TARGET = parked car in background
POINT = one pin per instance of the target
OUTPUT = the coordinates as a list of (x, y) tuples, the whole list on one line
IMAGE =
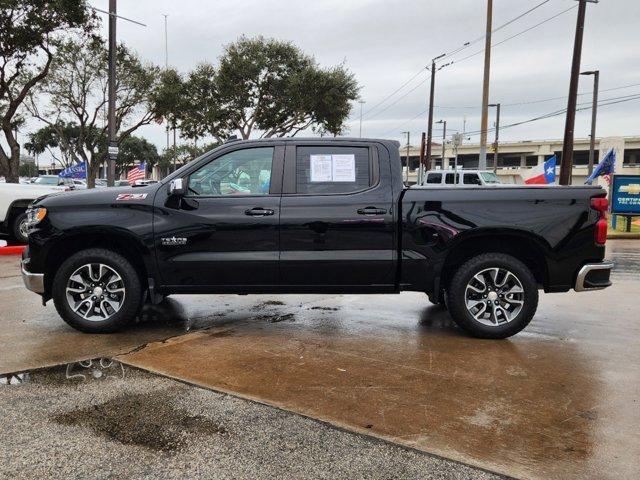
[(55, 181), (79, 184), (15, 198), (140, 183), (434, 178)]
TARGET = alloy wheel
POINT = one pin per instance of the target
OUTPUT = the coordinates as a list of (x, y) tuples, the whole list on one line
[(95, 291), (494, 296)]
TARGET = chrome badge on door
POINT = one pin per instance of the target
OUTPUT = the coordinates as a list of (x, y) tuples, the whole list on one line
[(173, 241)]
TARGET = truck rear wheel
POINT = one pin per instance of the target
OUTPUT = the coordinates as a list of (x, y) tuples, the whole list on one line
[(97, 291), (493, 295)]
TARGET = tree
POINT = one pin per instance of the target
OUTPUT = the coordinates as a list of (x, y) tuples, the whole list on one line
[(28, 33), (264, 85), (76, 91), (272, 86), (60, 139), (136, 149), (182, 154)]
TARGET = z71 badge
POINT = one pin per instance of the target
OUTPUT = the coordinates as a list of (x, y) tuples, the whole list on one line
[(131, 196)]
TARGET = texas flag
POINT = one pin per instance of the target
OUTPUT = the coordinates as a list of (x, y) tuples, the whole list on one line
[(543, 174)]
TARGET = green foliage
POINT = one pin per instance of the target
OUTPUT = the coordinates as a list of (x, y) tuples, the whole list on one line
[(28, 169), (76, 90), (136, 149), (260, 84), (28, 34), (183, 154), (62, 141)]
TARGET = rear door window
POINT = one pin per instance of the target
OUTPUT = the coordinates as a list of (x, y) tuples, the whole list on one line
[(471, 179), (448, 179), (434, 178), (333, 170)]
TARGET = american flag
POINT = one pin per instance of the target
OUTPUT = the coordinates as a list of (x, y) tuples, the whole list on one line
[(139, 172)]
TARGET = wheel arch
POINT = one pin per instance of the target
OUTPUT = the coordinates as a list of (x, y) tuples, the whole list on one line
[(120, 242), (527, 248)]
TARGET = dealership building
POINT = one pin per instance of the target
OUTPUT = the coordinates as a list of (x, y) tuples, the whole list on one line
[(516, 159)]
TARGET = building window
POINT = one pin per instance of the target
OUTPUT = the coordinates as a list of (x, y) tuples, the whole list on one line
[(631, 157)]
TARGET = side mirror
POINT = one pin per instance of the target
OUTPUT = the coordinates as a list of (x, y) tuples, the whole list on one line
[(176, 187)]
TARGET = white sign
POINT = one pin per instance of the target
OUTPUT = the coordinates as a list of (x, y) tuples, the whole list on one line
[(344, 168), (321, 168), (333, 168), (112, 150)]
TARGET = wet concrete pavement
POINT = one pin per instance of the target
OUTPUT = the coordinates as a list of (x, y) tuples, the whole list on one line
[(144, 426), (561, 399), (33, 336)]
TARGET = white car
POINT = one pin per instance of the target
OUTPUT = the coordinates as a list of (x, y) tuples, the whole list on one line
[(436, 178), (14, 201)]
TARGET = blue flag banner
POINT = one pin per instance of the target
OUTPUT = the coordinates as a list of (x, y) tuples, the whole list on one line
[(75, 171), (606, 167)]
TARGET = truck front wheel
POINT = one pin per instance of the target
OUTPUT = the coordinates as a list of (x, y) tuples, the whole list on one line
[(97, 291), (492, 295)]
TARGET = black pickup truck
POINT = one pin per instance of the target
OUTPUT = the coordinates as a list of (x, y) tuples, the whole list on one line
[(314, 216)]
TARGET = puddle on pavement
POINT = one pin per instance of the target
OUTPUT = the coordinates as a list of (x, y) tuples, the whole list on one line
[(14, 378), (149, 420)]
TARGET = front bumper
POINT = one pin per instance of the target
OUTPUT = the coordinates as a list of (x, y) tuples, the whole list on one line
[(33, 281), (593, 276)]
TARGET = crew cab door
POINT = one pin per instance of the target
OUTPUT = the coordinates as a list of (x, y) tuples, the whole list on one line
[(337, 220), (224, 231)]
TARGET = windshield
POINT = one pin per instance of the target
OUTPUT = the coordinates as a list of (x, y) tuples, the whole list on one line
[(490, 177), (47, 181)]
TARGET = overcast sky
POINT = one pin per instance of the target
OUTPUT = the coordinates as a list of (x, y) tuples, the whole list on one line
[(386, 42)]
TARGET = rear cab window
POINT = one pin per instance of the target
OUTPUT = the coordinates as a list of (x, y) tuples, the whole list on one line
[(327, 170)]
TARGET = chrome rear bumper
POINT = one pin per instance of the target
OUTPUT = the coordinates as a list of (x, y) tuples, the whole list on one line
[(593, 276), (33, 281)]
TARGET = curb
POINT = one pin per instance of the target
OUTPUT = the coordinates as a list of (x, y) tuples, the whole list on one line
[(13, 250), (623, 236)]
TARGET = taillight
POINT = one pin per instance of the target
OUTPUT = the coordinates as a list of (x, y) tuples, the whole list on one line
[(601, 205)]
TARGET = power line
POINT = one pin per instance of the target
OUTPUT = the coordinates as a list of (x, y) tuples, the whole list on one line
[(516, 35), (464, 46), (603, 103), (395, 91), (482, 37)]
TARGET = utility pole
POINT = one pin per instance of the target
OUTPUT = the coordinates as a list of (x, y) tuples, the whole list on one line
[(567, 148), (482, 163), (444, 139), (495, 143), (422, 145), (430, 119), (361, 102), (112, 144), (112, 149), (594, 116), (166, 66)]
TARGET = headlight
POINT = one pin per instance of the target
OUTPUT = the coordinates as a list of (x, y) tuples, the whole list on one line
[(35, 215)]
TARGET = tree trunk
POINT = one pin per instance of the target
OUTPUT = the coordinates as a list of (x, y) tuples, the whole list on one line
[(12, 174)]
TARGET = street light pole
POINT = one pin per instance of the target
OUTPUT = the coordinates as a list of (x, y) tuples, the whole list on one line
[(495, 144), (482, 163), (361, 102), (432, 90), (567, 148), (444, 138), (408, 147), (594, 116)]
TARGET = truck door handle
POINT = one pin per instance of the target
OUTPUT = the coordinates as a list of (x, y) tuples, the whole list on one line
[(371, 211), (258, 212)]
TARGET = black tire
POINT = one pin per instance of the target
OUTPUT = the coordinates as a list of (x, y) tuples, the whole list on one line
[(130, 305), (457, 304), (18, 232)]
